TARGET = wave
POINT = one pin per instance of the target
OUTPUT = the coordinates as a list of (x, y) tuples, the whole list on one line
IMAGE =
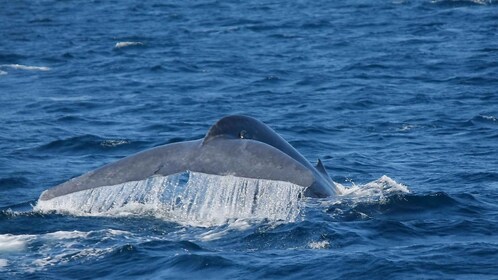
[(85, 144), (402, 208), (13, 243), (120, 45), (373, 191), (25, 67), (13, 182), (488, 120), (463, 2), (34, 252)]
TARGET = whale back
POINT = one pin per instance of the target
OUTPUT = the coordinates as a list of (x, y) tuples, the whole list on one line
[(247, 128)]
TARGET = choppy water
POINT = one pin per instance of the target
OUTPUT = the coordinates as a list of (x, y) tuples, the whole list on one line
[(398, 98)]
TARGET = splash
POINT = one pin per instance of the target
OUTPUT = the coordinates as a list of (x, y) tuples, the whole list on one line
[(361, 201), (375, 191), (324, 244), (189, 198)]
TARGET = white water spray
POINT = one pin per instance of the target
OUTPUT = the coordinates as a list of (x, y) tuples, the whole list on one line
[(190, 198)]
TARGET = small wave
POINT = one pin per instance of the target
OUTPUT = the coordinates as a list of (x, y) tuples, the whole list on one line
[(120, 45), (114, 142), (83, 143), (491, 118), (72, 143), (73, 254), (48, 261), (14, 243), (25, 67), (13, 182), (60, 235), (324, 244), (403, 205), (406, 127), (197, 262), (376, 190), (463, 2), (31, 253), (219, 232), (485, 120), (70, 98), (354, 202)]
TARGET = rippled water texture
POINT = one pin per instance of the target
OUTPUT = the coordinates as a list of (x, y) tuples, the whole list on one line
[(398, 98)]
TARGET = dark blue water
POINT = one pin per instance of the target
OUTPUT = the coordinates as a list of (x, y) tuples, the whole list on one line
[(405, 89)]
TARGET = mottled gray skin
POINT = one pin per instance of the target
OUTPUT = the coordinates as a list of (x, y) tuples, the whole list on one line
[(236, 145)]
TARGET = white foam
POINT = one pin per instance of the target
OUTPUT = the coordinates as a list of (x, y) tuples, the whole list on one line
[(189, 198), (115, 232), (198, 199), (65, 246), (373, 191), (26, 67), (14, 243), (213, 235), (60, 235), (240, 225), (480, 2), (406, 127), (127, 44), (72, 254), (3, 73), (319, 245), (114, 142), (56, 248), (46, 261), (490, 118)]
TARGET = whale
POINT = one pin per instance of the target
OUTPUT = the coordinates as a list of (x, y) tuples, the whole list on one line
[(235, 145)]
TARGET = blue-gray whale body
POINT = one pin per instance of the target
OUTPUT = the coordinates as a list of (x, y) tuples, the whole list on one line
[(235, 145)]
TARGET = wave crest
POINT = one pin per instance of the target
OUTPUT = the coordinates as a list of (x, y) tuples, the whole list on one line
[(375, 190), (24, 67), (128, 44)]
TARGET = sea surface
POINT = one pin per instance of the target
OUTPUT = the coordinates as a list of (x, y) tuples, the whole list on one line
[(399, 99)]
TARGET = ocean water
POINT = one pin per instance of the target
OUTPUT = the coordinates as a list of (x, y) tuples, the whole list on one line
[(399, 99)]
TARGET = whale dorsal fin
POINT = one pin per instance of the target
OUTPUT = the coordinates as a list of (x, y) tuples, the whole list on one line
[(319, 166)]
